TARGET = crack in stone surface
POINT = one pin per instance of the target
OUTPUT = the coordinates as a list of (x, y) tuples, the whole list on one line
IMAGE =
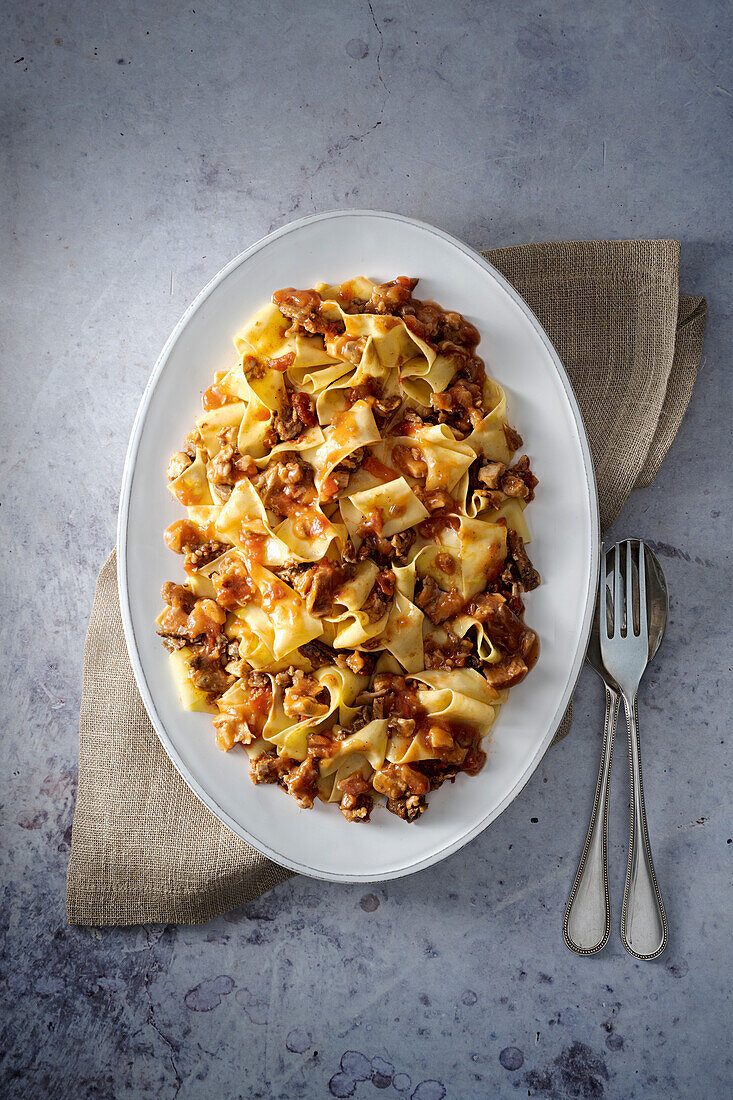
[(381, 45)]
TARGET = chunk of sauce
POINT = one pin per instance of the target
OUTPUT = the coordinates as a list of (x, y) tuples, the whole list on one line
[(214, 398), (308, 523), (378, 469), (273, 593), (253, 549), (330, 486), (256, 709), (433, 528), (189, 495), (282, 363), (284, 503), (373, 524), (183, 533), (233, 587), (342, 428), (445, 563)]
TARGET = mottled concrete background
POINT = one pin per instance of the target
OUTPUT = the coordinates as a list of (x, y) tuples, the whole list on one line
[(145, 144)]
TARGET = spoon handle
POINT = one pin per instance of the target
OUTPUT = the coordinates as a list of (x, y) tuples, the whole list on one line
[(587, 921), (643, 921)]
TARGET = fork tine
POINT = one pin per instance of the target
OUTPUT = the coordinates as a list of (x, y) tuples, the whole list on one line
[(630, 595), (643, 626), (619, 610)]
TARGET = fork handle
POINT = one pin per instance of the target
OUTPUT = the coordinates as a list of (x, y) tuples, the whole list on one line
[(643, 921), (587, 921)]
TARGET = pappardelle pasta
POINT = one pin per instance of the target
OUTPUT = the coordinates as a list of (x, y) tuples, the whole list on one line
[(354, 549)]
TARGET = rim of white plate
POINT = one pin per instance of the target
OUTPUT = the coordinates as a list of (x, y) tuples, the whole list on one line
[(122, 578)]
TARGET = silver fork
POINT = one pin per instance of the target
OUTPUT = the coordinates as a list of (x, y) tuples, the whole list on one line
[(626, 654)]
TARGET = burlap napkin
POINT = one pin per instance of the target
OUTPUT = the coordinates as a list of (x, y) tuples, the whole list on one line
[(143, 847)]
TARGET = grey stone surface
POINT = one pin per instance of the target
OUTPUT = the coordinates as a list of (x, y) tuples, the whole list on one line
[(146, 144)]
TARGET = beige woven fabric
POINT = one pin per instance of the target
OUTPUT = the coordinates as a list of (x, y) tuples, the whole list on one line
[(143, 847)]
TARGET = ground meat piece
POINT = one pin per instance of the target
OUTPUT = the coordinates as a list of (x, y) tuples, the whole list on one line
[(207, 673), (349, 552), (205, 617), (232, 730), (455, 653), (323, 581), (358, 661), (455, 329), (303, 307), (484, 479), (437, 500), (269, 768), (319, 654), (361, 719), (302, 783), (388, 681), (437, 604), (342, 346), (185, 537), (179, 462), (398, 781), (384, 408), (521, 471), (356, 807), (228, 466), (303, 696), (295, 415), (379, 599), (409, 461), (335, 483), (513, 486), (286, 485), (354, 784), (529, 578), (339, 477), (503, 627), (296, 574), (172, 642), (513, 439), (320, 745), (354, 460), (233, 584), (189, 618), (461, 406), (408, 807), (490, 473), (437, 771), (389, 697), (475, 758), (178, 596), (390, 297), (410, 423), (385, 551), (199, 556), (221, 467), (506, 673)]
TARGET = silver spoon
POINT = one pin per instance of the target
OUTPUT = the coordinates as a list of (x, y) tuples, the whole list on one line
[(587, 923)]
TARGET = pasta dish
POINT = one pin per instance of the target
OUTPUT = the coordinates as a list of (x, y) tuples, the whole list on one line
[(354, 549)]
